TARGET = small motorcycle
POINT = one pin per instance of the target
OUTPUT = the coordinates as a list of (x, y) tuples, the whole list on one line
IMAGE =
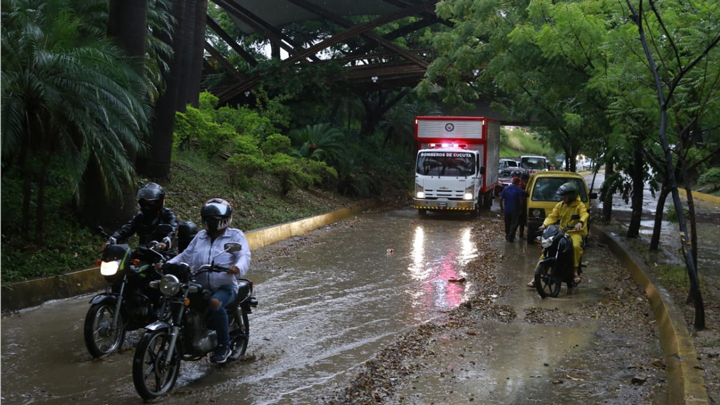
[(127, 303), (185, 330), (556, 265)]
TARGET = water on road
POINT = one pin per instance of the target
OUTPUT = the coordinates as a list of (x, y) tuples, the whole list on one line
[(324, 309)]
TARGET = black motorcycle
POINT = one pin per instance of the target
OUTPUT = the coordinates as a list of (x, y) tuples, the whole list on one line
[(185, 330), (127, 303), (556, 265)]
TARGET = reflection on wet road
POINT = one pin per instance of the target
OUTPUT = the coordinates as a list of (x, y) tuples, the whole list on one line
[(323, 310)]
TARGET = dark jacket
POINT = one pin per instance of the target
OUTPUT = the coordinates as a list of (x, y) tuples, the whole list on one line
[(145, 228)]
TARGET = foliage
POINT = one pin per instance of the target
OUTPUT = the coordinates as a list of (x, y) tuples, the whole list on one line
[(710, 180), (320, 142), (300, 173), (67, 91)]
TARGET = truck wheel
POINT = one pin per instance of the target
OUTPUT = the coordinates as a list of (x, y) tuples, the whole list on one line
[(488, 200)]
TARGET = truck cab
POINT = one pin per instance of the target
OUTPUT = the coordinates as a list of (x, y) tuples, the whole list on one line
[(456, 165), (534, 164)]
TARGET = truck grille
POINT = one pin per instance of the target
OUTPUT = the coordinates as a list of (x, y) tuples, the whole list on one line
[(449, 194)]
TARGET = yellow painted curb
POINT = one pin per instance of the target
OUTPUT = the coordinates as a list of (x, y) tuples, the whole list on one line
[(701, 196), (685, 381), (25, 294)]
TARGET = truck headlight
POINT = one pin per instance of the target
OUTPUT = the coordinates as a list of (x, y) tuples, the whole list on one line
[(469, 193), (109, 268), (419, 191)]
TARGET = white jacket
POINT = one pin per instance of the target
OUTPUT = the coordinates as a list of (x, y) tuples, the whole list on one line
[(201, 251)]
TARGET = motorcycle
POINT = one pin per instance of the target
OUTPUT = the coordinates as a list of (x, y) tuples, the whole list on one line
[(126, 304), (556, 265), (185, 330)]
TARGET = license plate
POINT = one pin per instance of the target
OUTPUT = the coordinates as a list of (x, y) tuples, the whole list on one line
[(465, 205)]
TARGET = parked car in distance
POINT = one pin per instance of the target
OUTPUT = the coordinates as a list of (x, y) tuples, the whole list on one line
[(541, 188), (507, 163), (505, 177)]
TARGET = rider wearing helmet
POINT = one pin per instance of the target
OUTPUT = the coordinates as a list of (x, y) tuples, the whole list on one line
[(151, 200), (216, 216), (570, 205)]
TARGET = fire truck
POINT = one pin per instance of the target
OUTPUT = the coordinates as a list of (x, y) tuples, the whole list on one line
[(457, 163)]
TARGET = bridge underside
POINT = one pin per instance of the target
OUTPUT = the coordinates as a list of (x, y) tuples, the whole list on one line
[(369, 60)]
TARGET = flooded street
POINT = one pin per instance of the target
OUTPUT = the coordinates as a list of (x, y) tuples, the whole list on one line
[(324, 308)]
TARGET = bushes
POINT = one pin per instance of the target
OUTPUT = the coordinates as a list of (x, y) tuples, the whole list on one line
[(710, 180)]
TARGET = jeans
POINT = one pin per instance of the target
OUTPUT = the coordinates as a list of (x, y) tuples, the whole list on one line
[(511, 224), (225, 294)]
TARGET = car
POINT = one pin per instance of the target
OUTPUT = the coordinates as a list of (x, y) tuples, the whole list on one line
[(507, 163), (534, 164), (542, 199), (505, 177)]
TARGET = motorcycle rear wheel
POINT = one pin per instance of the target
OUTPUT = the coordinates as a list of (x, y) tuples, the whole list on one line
[(239, 336), (101, 338), (152, 377), (547, 282)]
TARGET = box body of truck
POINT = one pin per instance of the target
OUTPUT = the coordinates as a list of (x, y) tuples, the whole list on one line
[(457, 163)]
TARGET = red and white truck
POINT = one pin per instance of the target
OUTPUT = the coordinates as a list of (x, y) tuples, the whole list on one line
[(457, 163)]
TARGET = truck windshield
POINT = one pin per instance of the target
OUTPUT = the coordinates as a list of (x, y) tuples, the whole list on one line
[(449, 164), (533, 163)]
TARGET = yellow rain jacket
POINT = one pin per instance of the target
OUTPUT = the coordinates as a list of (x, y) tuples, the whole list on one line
[(563, 212)]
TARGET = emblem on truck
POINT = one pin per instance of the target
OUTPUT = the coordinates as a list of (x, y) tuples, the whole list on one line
[(449, 127)]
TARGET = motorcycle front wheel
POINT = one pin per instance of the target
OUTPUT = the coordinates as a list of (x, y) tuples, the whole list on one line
[(239, 335), (152, 374), (101, 337), (547, 282)]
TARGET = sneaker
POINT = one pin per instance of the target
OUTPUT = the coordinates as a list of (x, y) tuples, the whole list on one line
[(221, 354)]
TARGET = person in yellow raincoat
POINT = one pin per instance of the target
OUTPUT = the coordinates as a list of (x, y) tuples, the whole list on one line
[(563, 211)]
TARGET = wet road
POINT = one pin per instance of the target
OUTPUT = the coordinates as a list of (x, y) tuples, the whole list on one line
[(324, 309)]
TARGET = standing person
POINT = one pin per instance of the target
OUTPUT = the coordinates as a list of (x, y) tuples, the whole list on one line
[(522, 218), (569, 205), (510, 205), (216, 216), (151, 199)]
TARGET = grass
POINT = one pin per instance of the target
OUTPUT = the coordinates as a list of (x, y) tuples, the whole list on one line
[(516, 143)]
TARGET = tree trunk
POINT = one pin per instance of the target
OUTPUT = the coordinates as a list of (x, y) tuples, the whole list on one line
[(184, 37), (26, 187), (40, 207), (659, 211), (157, 164), (198, 51), (127, 23), (637, 176), (607, 201)]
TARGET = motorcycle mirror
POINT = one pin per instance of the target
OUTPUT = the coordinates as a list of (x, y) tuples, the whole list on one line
[(232, 247)]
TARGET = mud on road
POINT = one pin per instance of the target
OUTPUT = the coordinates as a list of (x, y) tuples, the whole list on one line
[(459, 357)]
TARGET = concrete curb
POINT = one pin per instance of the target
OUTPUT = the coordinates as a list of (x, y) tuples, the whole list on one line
[(25, 294), (685, 381), (700, 196)]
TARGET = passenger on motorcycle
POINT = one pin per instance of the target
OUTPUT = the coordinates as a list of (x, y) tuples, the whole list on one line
[(563, 211), (216, 218), (151, 200)]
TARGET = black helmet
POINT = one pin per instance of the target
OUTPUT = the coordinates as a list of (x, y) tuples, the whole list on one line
[(569, 189), (216, 214), (151, 199)]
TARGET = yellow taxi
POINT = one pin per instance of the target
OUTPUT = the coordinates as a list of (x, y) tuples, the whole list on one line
[(542, 199)]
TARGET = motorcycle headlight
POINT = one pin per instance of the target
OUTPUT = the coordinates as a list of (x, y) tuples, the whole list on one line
[(109, 268), (169, 285), (547, 242)]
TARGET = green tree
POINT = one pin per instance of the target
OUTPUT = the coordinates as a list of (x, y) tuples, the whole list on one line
[(68, 94)]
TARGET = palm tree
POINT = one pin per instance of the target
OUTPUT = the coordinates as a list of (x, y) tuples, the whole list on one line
[(70, 97), (320, 142)]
